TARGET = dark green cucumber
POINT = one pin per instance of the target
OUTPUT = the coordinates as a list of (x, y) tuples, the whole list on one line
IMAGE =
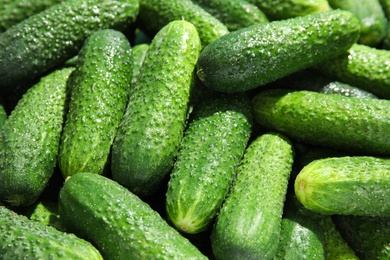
[(249, 223), (234, 14), (148, 138), (139, 54), (3, 114), (163, 12), (212, 147), (21, 238), (118, 222), (259, 54), (357, 125), (100, 87), (386, 9), (47, 39), (30, 139), (356, 185)]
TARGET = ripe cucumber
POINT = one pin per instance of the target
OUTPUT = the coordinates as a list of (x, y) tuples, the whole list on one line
[(119, 223), (21, 238), (30, 139), (350, 185), (47, 39), (249, 223), (139, 54), (212, 147), (259, 54), (357, 125), (100, 87), (151, 129)]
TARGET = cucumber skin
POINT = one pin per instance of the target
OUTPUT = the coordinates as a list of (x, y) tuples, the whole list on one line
[(210, 152), (259, 54), (139, 54), (149, 135), (249, 223), (100, 87), (28, 156), (118, 222), (357, 185), (21, 238), (357, 125), (46, 40)]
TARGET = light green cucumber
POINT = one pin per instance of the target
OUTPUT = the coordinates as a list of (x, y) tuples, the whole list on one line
[(212, 147), (30, 139), (259, 54), (139, 54), (148, 138), (118, 222), (100, 87), (249, 223)]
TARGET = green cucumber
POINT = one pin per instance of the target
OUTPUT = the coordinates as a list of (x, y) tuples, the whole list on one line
[(249, 223), (21, 238), (100, 87), (148, 137), (163, 12), (47, 39), (212, 147), (139, 54), (259, 54), (386, 9), (349, 185), (30, 139), (118, 222), (357, 125), (235, 14)]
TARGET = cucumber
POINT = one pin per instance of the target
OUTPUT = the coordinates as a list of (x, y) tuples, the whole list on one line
[(47, 39), (350, 185), (118, 222), (30, 138), (234, 14), (248, 225), (209, 28), (212, 147), (100, 87), (139, 54), (259, 54), (148, 137), (21, 238), (353, 125), (386, 9)]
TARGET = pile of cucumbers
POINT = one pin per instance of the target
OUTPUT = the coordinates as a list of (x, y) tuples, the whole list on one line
[(195, 129)]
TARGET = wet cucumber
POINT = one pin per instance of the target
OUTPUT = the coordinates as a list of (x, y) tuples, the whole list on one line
[(139, 54)]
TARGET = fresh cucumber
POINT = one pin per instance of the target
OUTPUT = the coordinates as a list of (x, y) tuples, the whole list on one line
[(350, 185), (118, 222), (100, 87), (259, 54), (212, 147), (249, 223), (139, 54), (30, 139), (47, 39), (356, 125), (148, 137)]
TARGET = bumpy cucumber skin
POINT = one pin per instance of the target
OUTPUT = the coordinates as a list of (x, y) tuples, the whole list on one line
[(100, 87), (248, 225), (30, 139), (118, 222), (235, 14), (46, 40), (139, 54), (151, 129), (210, 152), (357, 185), (357, 125), (21, 238), (163, 12), (259, 54)]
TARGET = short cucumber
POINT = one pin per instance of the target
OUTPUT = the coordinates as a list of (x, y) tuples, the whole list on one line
[(100, 87), (118, 222), (259, 54), (30, 139), (152, 127), (212, 147), (139, 54), (249, 223), (350, 185)]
